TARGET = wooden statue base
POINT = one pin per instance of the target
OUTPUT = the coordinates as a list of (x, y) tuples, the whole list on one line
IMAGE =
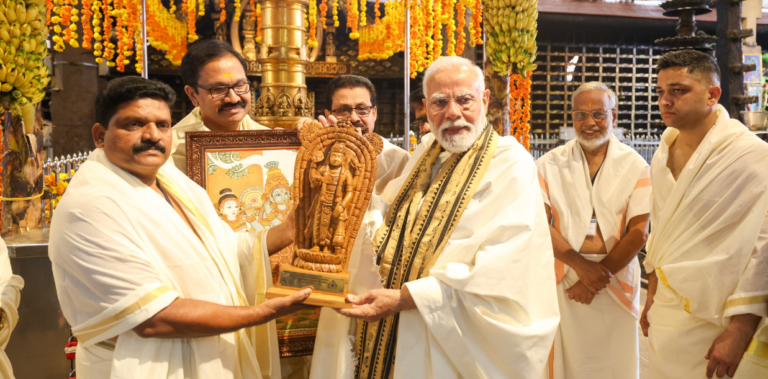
[(329, 289)]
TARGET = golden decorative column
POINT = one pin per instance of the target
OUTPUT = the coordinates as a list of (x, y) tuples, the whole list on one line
[(283, 57)]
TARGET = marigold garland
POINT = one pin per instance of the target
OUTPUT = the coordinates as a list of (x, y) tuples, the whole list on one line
[(201, 8), (477, 24), (258, 23), (335, 13), (191, 20), (253, 10), (437, 34), (376, 12), (98, 46), (461, 17), (238, 11), (363, 17), (86, 24), (312, 15), (352, 19), (450, 30), (520, 108), (223, 14), (324, 12)]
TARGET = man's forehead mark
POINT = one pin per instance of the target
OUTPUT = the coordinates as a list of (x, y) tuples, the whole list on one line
[(590, 104), (227, 75)]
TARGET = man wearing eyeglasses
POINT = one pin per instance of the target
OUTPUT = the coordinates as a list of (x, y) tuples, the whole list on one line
[(353, 98), (214, 76), (596, 192), (454, 275), (421, 123)]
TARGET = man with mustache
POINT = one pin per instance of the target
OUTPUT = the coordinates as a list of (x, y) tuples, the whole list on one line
[(353, 98), (596, 192), (214, 76), (708, 248), (453, 273), (153, 282)]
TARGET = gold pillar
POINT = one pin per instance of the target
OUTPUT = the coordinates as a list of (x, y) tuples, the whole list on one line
[(283, 56)]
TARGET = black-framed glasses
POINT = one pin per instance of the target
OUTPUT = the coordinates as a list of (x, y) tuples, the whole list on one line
[(465, 102), (361, 111), (598, 115), (223, 91)]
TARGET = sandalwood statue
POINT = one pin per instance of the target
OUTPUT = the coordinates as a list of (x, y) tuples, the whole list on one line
[(334, 178)]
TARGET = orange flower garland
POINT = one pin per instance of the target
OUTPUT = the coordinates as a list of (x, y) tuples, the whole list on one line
[(86, 22), (109, 48), (258, 23), (437, 34), (450, 31), (376, 12), (477, 27), (191, 19), (324, 12), (352, 19), (253, 10), (363, 17), (461, 17), (520, 108), (118, 11), (223, 14)]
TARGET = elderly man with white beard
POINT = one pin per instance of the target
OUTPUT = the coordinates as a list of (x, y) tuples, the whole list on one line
[(597, 194), (452, 266)]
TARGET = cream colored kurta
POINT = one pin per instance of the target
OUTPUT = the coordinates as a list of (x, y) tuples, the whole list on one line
[(708, 245), (10, 296), (194, 123), (599, 340), (121, 253), (488, 309)]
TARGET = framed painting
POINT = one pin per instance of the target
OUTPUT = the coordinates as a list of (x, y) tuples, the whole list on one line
[(755, 76), (248, 177)]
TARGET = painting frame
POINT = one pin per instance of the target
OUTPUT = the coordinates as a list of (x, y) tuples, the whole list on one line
[(197, 145)]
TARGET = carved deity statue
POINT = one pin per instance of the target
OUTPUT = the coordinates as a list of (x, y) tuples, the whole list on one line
[(335, 173), (335, 184), (265, 103), (249, 33), (301, 103), (284, 105)]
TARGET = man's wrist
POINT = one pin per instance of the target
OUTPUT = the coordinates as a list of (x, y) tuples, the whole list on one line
[(405, 302), (745, 323)]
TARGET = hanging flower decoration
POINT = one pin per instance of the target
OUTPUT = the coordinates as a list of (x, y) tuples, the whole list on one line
[(253, 10), (312, 15), (258, 23), (109, 47), (450, 23), (238, 11), (363, 9), (335, 13), (223, 14), (461, 17), (352, 19), (201, 8), (191, 18), (324, 12), (377, 14), (86, 24), (477, 24), (520, 108), (98, 46)]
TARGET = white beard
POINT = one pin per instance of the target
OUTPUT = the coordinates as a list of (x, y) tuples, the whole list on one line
[(463, 141), (596, 142)]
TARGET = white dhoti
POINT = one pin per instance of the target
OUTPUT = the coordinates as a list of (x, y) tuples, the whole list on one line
[(708, 245), (121, 253), (10, 296), (599, 340)]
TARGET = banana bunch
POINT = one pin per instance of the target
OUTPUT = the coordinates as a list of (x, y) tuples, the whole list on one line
[(23, 76), (511, 34)]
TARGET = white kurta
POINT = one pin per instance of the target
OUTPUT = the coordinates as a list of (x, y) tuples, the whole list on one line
[(708, 245), (10, 296), (121, 253), (194, 123), (599, 340), (389, 165), (488, 309)]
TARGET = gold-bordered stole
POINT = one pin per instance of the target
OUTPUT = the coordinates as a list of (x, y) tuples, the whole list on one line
[(412, 237)]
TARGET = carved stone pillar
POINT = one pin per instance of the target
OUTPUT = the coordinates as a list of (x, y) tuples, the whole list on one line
[(283, 56)]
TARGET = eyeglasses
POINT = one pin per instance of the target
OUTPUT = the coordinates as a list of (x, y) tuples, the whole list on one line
[(361, 111), (223, 91), (598, 115), (465, 102)]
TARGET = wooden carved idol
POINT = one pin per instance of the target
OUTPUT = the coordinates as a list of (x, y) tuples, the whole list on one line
[(333, 181)]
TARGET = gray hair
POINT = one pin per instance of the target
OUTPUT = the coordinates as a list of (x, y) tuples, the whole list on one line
[(595, 86), (449, 62)]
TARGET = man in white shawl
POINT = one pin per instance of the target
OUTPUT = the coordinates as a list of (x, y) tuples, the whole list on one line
[(452, 267), (597, 193), (707, 252), (215, 80), (153, 282), (10, 295), (353, 98)]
